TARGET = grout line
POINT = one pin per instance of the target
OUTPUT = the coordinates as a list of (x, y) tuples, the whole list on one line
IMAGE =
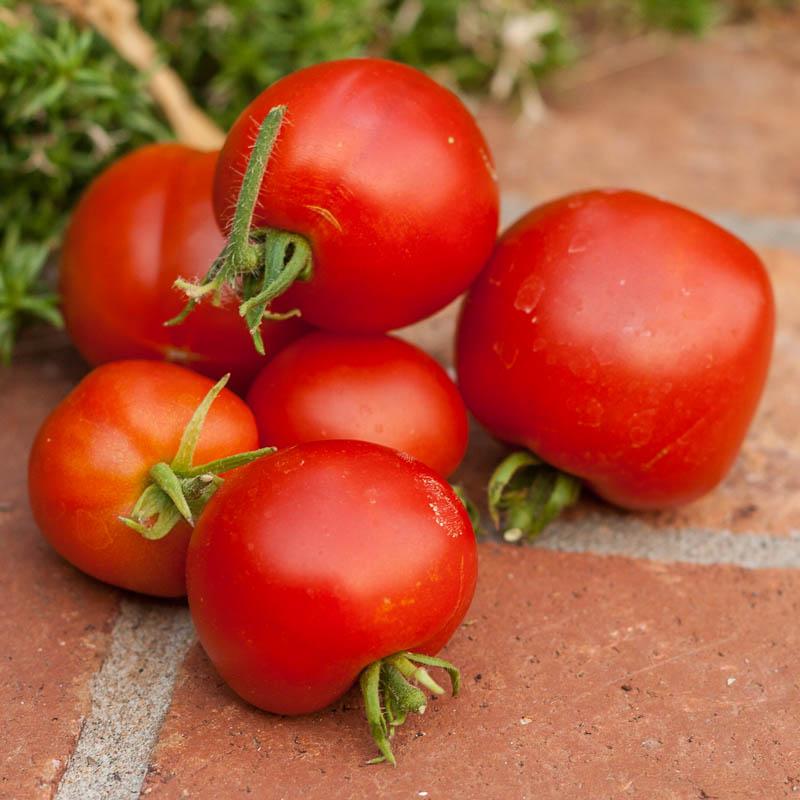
[(130, 697), (778, 232), (634, 539)]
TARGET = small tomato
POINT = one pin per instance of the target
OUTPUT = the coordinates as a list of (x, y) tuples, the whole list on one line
[(374, 388), (623, 340), (326, 563), (140, 225), (112, 478)]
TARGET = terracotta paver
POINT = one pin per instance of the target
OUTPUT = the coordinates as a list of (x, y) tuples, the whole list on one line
[(55, 624), (585, 677), (711, 123)]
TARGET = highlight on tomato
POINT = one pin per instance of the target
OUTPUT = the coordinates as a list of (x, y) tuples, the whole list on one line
[(375, 388), (360, 190), (122, 467), (625, 342), (144, 222), (331, 563)]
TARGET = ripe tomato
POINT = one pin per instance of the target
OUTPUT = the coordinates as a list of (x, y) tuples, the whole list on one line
[(384, 179), (311, 565), (622, 339), (142, 223), (93, 457), (374, 388)]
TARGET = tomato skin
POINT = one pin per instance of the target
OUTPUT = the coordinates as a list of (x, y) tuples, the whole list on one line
[(399, 217), (373, 388), (623, 339), (310, 564), (90, 462), (142, 223)]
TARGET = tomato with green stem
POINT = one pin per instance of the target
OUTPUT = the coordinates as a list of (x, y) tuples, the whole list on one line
[(625, 341), (122, 467), (361, 190), (374, 388), (145, 221), (329, 563)]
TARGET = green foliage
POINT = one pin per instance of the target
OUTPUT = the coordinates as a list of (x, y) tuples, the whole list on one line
[(68, 107), (679, 16), (23, 294), (228, 52)]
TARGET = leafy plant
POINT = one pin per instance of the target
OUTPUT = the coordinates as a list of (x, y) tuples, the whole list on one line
[(227, 52), (68, 107)]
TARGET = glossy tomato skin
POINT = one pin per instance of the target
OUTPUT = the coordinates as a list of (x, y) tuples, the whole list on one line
[(310, 564), (386, 174), (373, 388), (623, 339), (90, 462), (142, 223)]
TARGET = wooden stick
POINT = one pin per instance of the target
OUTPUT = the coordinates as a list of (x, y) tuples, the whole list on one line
[(117, 21)]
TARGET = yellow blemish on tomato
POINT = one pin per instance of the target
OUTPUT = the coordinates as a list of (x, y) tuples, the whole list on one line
[(327, 216)]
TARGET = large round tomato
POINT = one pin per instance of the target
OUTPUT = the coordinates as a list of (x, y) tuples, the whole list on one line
[(310, 565), (91, 462), (624, 340), (142, 223), (385, 174), (375, 388)]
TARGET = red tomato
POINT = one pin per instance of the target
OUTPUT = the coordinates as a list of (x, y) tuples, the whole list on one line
[(145, 221), (387, 176), (311, 564), (91, 458), (624, 340), (374, 388)]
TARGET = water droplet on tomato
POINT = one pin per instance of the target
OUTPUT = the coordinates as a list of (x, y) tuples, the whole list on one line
[(529, 294), (577, 244)]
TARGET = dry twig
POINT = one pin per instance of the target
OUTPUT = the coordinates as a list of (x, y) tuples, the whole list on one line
[(117, 21)]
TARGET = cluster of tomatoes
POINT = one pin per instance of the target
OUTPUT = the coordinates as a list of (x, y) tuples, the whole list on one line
[(623, 340)]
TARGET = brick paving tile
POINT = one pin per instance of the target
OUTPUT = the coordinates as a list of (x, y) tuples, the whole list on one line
[(55, 624), (596, 677), (711, 123), (585, 677), (762, 492)]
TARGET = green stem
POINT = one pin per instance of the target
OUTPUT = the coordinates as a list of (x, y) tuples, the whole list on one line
[(390, 694), (243, 255), (527, 494), (178, 489), (287, 258), (258, 265)]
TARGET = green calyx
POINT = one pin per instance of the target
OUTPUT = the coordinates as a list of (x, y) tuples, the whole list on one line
[(391, 690), (257, 265), (179, 490), (527, 494)]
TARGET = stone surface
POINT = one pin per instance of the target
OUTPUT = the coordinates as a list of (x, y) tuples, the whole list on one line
[(55, 623), (710, 123), (585, 677)]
